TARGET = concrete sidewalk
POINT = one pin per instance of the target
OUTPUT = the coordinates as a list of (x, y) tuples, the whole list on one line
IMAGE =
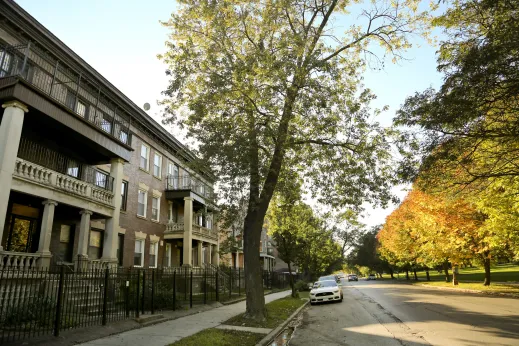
[(168, 332)]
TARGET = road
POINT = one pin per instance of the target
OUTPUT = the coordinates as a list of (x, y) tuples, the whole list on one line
[(386, 313)]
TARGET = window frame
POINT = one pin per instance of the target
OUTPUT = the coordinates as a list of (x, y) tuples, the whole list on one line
[(154, 245), (167, 254), (158, 208), (143, 245), (148, 150), (145, 202), (155, 155), (124, 195)]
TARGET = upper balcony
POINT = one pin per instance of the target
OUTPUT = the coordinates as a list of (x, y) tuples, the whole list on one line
[(50, 86), (188, 186)]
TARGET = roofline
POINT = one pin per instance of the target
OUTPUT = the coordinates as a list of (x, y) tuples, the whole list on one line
[(145, 119)]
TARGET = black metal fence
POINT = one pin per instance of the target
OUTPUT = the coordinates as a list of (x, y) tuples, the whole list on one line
[(47, 302)]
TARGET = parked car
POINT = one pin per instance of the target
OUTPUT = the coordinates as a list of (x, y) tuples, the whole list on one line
[(329, 277), (326, 291), (352, 277), (372, 277)]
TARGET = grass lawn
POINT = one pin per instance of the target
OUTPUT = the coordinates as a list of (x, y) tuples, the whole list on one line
[(498, 273), (219, 337), (495, 288), (277, 312)]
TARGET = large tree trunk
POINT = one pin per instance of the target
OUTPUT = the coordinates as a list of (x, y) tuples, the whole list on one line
[(391, 273), (291, 281), (486, 264), (427, 274), (455, 275), (255, 299), (446, 270), (407, 274), (415, 276)]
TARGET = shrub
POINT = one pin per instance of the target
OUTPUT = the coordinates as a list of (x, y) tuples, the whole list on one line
[(301, 286)]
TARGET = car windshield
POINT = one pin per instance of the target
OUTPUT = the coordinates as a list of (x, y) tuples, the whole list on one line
[(327, 283), (329, 277)]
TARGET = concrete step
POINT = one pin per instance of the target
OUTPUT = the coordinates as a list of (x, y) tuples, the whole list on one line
[(148, 320)]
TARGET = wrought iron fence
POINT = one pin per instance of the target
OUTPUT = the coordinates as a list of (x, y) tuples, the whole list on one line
[(48, 302), (68, 86), (36, 153)]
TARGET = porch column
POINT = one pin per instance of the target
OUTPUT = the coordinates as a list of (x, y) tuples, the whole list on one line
[(46, 232), (170, 205), (200, 253), (217, 255), (112, 223), (188, 227), (10, 133), (210, 254), (84, 230)]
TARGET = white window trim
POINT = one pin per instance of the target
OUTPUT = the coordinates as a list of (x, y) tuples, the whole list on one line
[(145, 202), (147, 169), (156, 245), (158, 208), (143, 242), (160, 166)]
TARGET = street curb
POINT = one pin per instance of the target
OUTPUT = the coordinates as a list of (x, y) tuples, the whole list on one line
[(490, 293), (267, 339)]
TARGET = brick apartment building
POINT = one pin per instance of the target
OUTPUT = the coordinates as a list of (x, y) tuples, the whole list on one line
[(84, 172)]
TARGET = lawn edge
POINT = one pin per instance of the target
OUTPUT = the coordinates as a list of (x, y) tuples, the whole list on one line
[(468, 290), (229, 302), (270, 336)]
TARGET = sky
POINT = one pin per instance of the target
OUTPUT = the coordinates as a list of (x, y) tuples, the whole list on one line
[(121, 40)]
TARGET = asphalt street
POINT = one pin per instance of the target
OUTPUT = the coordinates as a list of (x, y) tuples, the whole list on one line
[(387, 313)]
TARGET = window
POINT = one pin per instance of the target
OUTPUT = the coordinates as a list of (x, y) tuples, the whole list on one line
[(73, 168), (142, 203), (145, 156), (155, 208), (168, 255), (261, 246), (106, 123), (120, 248), (157, 165), (138, 256), (123, 136), (5, 60), (81, 108), (95, 245), (70, 100), (154, 249), (124, 195), (173, 175), (101, 179)]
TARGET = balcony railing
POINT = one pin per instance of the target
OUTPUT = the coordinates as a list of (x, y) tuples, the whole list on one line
[(69, 87), (186, 182), (51, 159)]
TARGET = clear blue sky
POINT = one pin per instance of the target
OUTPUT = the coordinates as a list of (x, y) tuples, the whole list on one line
[(121, 39)]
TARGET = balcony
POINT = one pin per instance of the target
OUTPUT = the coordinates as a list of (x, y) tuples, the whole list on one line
[(177, 228), (67, 86), (43, 166), (188, 186)]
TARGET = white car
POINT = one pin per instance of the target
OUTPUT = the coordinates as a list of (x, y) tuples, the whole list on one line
[(325, 291)]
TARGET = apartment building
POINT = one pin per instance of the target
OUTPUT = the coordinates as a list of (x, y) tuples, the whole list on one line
[(235, 258), (87, 178)]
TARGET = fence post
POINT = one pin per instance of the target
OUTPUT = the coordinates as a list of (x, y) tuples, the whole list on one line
[(127, 283), (105, 295), (239, 282), (57, 320), (174, 289), (153, 292), (205, 286), (138, 293), (230, 282), (143, 291), (217, 285), (191, 290)]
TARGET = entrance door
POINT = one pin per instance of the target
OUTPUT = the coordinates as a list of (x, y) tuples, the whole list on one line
[(120, 247), (21, 234), (66, 243)]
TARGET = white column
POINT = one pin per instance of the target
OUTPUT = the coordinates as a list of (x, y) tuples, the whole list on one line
[(188, 227), (200, 253), (46, 232), (170, 204), (84, 230), (10, 133), (210, 254), (112, 223)]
